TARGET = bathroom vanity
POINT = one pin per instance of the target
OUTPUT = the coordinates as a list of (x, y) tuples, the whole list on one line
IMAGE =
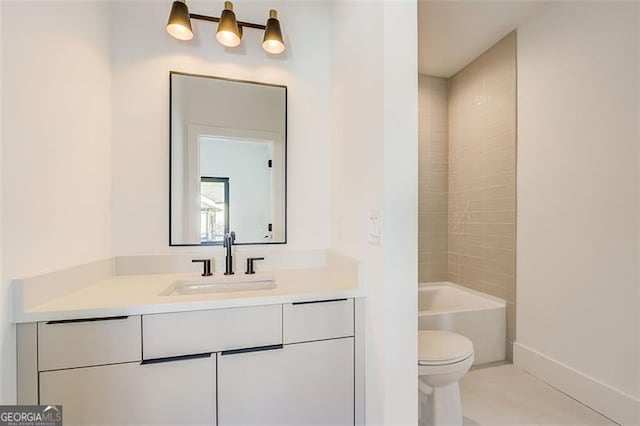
[(137, 340), (291, 354)]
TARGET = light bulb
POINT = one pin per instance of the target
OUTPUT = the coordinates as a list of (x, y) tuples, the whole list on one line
[(228, 38)]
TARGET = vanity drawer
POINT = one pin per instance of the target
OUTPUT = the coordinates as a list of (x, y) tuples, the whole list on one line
[(86, 342), (317, 320), (186, 333)]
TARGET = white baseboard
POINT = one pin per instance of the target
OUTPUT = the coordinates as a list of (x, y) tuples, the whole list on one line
[(616, 405)]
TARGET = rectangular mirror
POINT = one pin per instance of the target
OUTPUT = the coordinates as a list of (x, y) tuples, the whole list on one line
[(228, 161)]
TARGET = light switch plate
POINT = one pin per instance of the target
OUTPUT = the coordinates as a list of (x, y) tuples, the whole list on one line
[(374, 223)]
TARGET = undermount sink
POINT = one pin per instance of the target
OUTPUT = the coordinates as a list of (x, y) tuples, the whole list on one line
[(220, 284)]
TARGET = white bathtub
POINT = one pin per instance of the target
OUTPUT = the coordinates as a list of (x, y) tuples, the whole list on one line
[(480, 317)]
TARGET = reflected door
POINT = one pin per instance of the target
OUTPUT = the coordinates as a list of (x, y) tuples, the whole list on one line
[(214, 209)]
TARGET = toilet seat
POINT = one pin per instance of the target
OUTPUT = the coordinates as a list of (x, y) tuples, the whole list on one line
[(437, 347)]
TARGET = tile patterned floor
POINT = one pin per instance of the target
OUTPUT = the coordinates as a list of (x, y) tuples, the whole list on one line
[(506, 395)]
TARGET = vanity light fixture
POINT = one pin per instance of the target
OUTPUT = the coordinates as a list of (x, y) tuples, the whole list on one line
[(179, 24), (272, 41), (229, 31)]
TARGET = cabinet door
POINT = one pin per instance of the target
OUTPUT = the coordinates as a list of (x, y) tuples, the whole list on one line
[(177, 392), (305, 383)]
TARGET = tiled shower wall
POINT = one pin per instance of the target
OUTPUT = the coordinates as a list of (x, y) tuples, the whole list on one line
[(467, 150), (433, 179), (482, 178)]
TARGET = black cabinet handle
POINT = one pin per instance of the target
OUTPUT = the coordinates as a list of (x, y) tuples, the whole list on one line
[(69, 321), (319, 301), (255, 349), (175, 358)]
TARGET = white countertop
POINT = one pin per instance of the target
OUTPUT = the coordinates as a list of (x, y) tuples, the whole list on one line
[(141, 294)]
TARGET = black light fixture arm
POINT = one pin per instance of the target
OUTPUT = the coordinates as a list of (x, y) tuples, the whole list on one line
[(216, 19)]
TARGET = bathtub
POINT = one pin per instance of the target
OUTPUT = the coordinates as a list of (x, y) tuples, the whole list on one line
[(478, 316)]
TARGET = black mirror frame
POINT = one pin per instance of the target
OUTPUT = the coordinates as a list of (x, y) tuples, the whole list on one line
[(286, 157)]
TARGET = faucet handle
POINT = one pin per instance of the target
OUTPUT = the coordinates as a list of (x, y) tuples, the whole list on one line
[(250, 267), (206, 266)]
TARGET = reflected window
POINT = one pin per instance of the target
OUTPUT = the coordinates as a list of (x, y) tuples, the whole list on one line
[(214, 209)]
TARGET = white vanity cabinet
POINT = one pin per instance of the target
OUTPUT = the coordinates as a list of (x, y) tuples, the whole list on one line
[(94, 369), (298, 384), (308, 380), (174, 392), (284, 364)]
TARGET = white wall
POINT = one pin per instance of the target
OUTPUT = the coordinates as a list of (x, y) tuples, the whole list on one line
[(143, 55), (55, 143), (356, 177), (578, 287), (374, 168), (400, 210)]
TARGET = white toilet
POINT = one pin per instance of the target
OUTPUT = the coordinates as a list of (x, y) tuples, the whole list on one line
[(443, 359)]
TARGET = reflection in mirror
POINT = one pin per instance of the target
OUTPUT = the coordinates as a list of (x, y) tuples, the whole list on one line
[(214, 209), (228, 161)]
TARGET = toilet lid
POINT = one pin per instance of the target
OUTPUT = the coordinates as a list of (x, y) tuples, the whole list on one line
[(436, 347)]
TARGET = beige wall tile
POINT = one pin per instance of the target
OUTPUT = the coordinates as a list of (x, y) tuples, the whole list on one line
[(437, 218), (498, 255), (433, 175), (500, 204), (499, 216), (482, 180), (438, 268), (437, 205), (467, 160), (499, 267), (497, 241), (432, 277), (469, 250), (437, 242), (439, 258), (471, 239), (498, 291), (499, 279), (500, 229), (472, 261)]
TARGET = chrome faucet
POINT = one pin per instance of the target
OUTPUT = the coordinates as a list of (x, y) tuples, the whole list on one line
[(229, 239)]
